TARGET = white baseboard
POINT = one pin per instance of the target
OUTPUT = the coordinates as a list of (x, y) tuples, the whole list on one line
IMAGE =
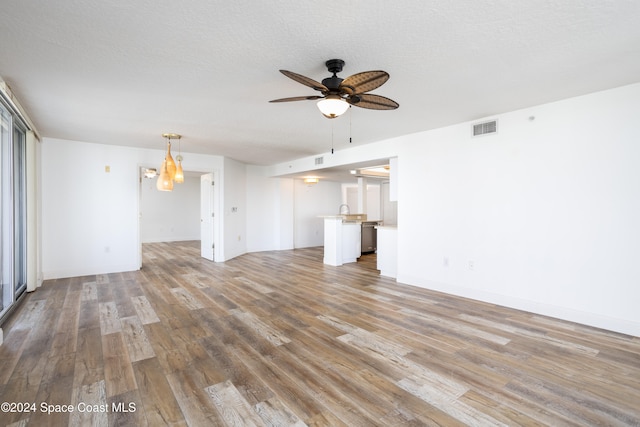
[(170, 239), (64, 274)]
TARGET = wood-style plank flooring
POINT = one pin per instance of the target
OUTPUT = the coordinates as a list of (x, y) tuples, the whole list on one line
[(280, 339)]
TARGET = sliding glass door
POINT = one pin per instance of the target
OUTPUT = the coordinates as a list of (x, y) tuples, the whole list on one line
[(13, 212), (6, 211)]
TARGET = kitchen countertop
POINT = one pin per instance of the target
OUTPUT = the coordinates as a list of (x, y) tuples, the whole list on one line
[(347, 220)]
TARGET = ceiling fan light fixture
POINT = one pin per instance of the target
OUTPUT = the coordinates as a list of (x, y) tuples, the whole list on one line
[(333, 106)]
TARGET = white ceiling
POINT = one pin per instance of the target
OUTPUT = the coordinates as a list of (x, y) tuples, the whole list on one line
[(124, 72)]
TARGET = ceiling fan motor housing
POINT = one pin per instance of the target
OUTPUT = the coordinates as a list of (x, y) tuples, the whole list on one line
[(333, 83)]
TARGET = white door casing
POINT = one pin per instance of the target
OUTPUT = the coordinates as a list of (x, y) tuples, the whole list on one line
[(206, 216)]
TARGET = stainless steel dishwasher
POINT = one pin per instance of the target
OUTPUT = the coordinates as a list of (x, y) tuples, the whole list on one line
[(368, 237)]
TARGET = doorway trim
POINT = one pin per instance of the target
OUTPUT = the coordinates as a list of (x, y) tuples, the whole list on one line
[(217, 238)]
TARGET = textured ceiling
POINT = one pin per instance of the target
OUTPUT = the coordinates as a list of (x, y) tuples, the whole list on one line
[(124, 72)]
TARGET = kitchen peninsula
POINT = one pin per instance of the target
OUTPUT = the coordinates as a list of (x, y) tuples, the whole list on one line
[(342, 242)]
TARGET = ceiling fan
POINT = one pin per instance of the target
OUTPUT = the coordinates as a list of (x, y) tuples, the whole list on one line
[(338, 94)]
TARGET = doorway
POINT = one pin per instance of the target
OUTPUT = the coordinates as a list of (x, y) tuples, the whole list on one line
[(179, 215)]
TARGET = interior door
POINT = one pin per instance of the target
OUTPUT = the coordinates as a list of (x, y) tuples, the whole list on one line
[(206, 216)]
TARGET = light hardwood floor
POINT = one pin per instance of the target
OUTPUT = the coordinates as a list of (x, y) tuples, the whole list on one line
[(280, 339)]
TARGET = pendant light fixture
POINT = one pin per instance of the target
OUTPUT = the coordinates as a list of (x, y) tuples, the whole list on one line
[(150, 173), (169, 170), (164, 183), (179, 177)]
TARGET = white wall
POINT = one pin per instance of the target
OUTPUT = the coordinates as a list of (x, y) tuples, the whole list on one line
[(283, 213), (542, 216), (89, 216), (389, 208), (351, 194), (269, 211), (234, 213), (311, 202), (168, 216)]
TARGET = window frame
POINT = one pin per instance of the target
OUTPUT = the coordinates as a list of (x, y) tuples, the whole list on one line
[(13, 208)]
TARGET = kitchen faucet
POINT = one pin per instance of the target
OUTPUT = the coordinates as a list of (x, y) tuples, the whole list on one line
[(346, 210)]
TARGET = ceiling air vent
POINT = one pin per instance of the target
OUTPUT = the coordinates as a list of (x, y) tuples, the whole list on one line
[(485, 128), (319, 160)]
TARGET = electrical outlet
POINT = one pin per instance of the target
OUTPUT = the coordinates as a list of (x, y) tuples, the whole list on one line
[(471, 265), (445, 262)]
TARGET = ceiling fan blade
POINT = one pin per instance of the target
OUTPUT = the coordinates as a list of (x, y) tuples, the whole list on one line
[(363, 82), (372, 102), (297, 98), (305, 80)]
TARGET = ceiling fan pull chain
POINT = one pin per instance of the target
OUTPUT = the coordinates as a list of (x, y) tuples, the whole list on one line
[(331, 137), (350, 124)]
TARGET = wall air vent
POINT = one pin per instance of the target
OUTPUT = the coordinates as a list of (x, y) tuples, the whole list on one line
[(485, 128), (319, 160)]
